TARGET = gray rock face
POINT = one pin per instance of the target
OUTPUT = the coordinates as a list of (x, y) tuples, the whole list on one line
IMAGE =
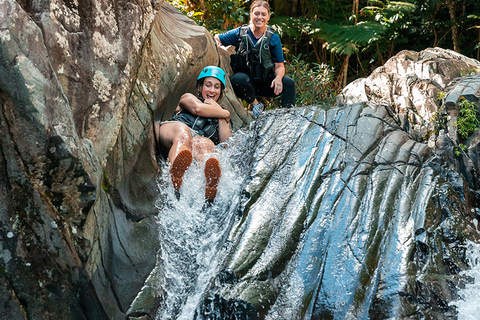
[(368, 198), (351, 213), (81, 84), (348, 218), (421, 91)]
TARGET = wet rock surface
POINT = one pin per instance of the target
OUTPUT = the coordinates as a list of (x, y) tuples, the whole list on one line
[(361, 211), (81, 84)]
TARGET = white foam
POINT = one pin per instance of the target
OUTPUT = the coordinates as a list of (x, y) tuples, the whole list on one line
[(467, 306)]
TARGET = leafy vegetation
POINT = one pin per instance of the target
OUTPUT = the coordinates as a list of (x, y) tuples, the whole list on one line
[(467, 121), (458, 149), (215, 15), (313, 81), (352, 37)]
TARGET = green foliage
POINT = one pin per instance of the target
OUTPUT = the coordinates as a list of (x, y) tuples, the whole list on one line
[(469, 72), (185, 9), (458, 149), (291, 27), (313, 81), (225, 14), (394, 16), (215, 15), (467, 121), (341, 38), (458, 153), (346, 39), (439, 119), (440, 96)]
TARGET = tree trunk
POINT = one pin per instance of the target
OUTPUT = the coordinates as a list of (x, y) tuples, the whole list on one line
[(478, 50), (455, 39), (344, 72), (356, 5)]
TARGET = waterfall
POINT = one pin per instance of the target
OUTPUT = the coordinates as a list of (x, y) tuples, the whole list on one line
[(193, 236), (467, 305), (342, 217)]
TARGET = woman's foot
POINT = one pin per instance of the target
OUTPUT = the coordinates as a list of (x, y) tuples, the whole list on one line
[(182, 161), (257, 109), (212, 176)]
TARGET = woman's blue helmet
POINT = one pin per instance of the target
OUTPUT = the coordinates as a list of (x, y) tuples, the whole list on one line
[(215, 72)]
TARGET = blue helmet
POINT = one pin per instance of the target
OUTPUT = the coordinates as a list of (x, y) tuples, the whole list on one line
[(215, 72)]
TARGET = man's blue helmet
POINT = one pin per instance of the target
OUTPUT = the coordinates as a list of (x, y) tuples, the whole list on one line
[(215, 72)]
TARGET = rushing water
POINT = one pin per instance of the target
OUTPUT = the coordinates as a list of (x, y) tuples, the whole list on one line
[(467, 306), (194, 236), (333, 215)]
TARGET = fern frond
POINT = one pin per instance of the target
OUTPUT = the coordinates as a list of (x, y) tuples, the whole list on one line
[(397, 6), (376, 3), (289, 26), (345, 39), (342, 39)]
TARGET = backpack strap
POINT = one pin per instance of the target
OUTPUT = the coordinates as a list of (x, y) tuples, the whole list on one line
[(269, 34), (243, 33)]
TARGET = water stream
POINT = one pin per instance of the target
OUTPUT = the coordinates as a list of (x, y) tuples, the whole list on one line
[(335, 221), (467, 306), (194, 236)]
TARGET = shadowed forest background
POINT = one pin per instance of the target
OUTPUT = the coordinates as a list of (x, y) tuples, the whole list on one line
[(329, 43)]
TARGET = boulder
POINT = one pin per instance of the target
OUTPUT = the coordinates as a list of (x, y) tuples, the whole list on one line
[(372, 185), (81, 85), (410, 85), (422, 92)]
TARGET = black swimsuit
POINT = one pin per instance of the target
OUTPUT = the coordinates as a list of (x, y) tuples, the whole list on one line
[(206, 127)]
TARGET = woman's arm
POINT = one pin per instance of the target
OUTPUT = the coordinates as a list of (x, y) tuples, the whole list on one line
[(217, 40), (277, 84), (207, 109), (223, 130)]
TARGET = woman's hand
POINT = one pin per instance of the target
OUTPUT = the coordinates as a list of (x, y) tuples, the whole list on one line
[(224, 130), (224, 114), (217, 40), (277, 85), (212, 103), (208, 109)]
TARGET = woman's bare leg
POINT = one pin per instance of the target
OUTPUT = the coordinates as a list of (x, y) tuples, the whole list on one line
[(177, 139), (174, 137), (201, 147), (212, 177)]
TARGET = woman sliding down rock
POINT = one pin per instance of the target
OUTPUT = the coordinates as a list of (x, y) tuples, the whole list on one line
[(199, 124), (258, 63)]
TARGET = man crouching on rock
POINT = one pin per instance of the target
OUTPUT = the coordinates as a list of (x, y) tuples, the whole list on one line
[(199, 124)]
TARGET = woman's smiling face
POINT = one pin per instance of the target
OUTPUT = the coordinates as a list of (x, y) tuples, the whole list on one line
[(259, 17), (211, 88)]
